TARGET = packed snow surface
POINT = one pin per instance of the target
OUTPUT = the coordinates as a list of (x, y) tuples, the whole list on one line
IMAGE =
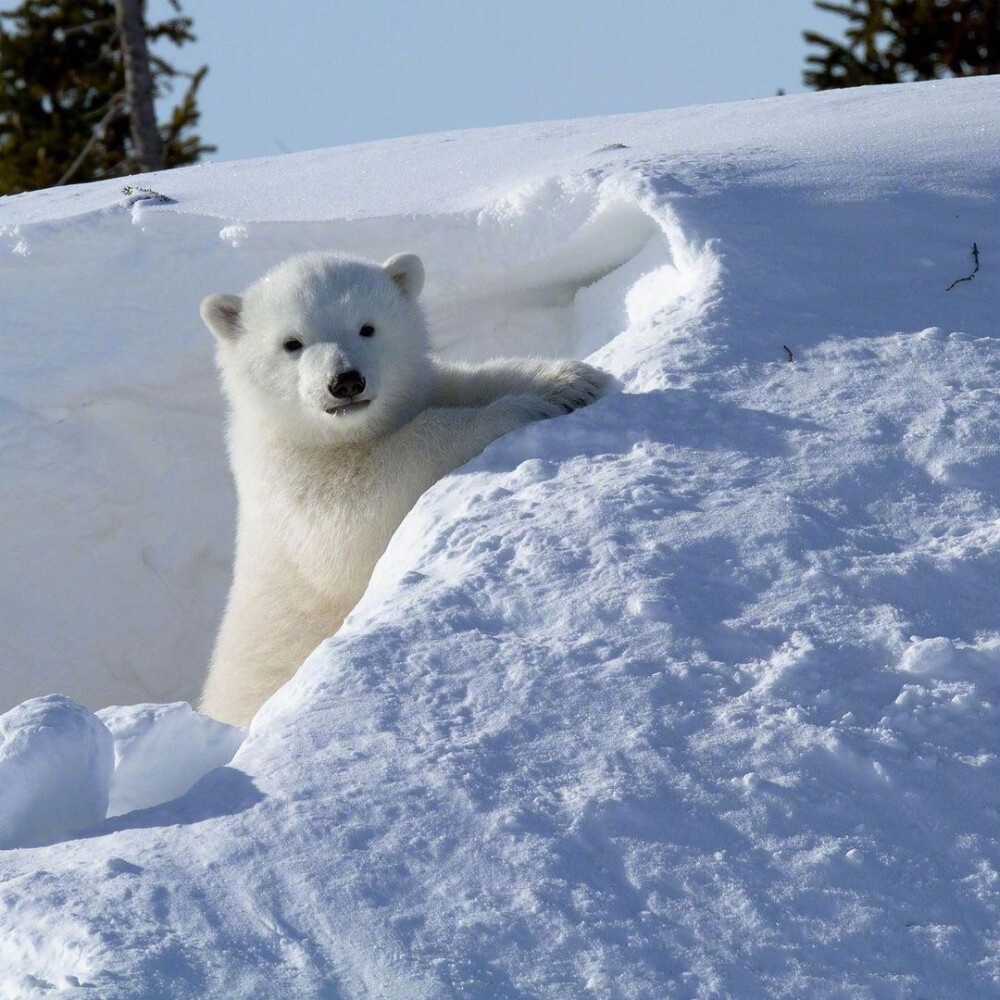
[(691, 694)]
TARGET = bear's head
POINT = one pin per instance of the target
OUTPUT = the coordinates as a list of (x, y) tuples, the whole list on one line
[(326, 347)]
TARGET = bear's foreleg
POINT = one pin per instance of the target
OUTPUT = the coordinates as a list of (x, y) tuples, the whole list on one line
[(572, 383), (441, 439)]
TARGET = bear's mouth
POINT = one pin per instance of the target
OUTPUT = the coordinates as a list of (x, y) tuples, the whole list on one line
[(342, 409)]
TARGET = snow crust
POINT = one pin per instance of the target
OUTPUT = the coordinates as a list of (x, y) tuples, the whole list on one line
[(694, 693)]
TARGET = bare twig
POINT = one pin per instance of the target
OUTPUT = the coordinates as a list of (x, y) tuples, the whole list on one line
[(968, 277), (788, 351), (60, 33), (97, 133)]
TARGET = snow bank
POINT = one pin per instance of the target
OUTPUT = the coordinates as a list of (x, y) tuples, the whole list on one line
[(56, 760), (694, 693), (63, 768)]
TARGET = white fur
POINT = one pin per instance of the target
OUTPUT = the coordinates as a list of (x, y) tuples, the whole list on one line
[(320, 493)]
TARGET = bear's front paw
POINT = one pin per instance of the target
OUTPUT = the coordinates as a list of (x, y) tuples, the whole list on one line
[(572, 384), (527, 406)]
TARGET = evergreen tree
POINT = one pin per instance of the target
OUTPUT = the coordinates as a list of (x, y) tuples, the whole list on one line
[(64, 108), (894, 41)]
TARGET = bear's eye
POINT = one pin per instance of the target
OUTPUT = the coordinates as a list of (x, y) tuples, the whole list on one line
[(367, 330), (292, 345)]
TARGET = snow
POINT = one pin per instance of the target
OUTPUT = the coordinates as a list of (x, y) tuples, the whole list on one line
[(694, 693), (161, 751), (56, 760), (63, 767)]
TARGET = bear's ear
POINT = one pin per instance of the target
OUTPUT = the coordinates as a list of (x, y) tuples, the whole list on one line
[(221, 314), (407, 271)]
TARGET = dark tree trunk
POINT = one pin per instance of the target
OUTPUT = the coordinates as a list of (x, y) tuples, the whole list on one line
[(139, 85)]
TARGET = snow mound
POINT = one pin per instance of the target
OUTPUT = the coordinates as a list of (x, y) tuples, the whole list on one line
[(56, 760), (162, 750), (63, 768)]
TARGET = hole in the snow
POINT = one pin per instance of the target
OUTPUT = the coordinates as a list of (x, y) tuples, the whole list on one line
[(558, 268), (515, 290)]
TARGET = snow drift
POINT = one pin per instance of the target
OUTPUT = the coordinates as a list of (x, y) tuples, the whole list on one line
[(694, 693)]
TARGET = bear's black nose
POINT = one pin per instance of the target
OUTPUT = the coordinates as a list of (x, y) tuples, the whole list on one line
[(347, 385)]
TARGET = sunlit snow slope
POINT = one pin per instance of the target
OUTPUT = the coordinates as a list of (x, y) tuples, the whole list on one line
[(691, 694)]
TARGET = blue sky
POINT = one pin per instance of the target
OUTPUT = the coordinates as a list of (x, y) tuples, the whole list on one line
[(307, 74)]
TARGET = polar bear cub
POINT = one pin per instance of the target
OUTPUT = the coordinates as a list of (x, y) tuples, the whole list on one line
[(340, 418)]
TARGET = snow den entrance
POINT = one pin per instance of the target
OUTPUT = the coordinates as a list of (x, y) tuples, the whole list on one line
[(524, 278)]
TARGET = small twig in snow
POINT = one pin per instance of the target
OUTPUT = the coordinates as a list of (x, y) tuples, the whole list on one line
[(788, 351), (968, 277)]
